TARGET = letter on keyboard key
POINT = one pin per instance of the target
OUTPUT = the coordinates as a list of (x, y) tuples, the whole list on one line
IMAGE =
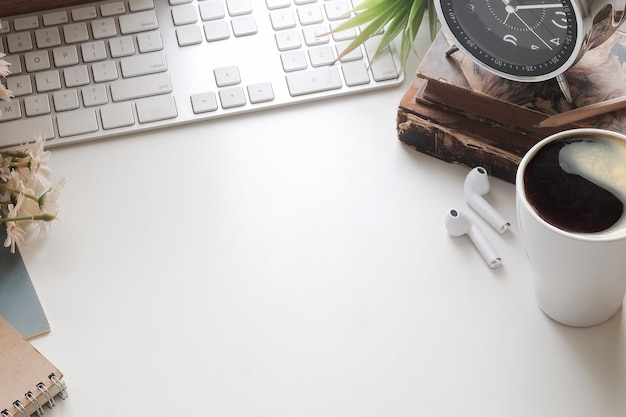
[(156, 108), (383, 67), (77, 122), (143, 64), (323, 79), (138, 22), (147, 85), (22, 131)]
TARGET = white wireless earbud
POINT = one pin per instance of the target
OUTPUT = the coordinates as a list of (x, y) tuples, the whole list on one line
[(475, 187), (458, 225)]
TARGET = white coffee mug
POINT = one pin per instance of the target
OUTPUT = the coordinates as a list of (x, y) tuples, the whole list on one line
[(579, 277)]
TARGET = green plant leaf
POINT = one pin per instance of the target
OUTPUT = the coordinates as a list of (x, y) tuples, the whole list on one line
[(394, 18)]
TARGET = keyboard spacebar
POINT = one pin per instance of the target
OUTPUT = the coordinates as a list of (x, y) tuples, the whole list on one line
[(316, 81), (23, 131), (137, 87)]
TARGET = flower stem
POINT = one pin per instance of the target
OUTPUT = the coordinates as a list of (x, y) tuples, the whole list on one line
[(45, 217)]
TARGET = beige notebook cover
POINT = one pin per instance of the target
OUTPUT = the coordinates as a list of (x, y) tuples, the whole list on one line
[(28, 381)]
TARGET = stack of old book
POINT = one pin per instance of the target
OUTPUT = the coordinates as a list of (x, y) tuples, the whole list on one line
[(458, 112)]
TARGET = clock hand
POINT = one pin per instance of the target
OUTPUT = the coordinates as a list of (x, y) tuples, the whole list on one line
[(508, 8), (531, 29), (538, 6)]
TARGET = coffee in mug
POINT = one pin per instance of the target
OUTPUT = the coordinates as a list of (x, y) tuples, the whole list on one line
[(571, 190)]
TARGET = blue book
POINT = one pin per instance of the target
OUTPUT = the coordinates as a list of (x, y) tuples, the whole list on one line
[(19, 302)]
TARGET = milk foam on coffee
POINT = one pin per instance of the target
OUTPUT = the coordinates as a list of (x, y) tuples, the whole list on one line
[(578, 184), (601, 161)]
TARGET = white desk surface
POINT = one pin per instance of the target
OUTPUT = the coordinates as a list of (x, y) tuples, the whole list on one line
[(295, 263)]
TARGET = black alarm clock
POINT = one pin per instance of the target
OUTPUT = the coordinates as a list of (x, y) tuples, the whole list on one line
[(529, 40)]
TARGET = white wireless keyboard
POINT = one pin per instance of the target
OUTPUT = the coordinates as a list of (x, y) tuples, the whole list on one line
[(113, 67)]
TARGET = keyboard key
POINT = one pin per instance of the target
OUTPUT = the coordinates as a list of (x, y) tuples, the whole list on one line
[(104, 71), (355, 73), (10, 110), (55, 18), (216, 31), (238, 7), (139, 5), (16, 64), (203, 102), (143, 64), (315, 81), (26, 23), (49, 37), (156, 108), (47, 81), (75, 33), (211, 10), (293, 61), (355, 54), (94, 95), (343, 35), (117, 115), (232, 97), (20, 85), (260, 93), (37, 61), (321, 55), (76, 76), (277, 4), (244, 26), (282, 19), (84, 13), (149, 42), (288, 40), (122, 46), (65, 100), (138, 22), (77, 122), (19, 42), (184, 15), (315, 35), (103, 28), (137, 87), (383, 67), (65, 56), (36, 105), (336, 10), (188, 35), (309, 15), (112, 9), (93, 51), (226, 76), (22, 131)]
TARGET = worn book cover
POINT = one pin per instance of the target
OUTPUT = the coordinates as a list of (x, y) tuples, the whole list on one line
[(453, 137)]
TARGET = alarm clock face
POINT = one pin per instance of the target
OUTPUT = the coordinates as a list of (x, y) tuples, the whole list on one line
[(524, 40)]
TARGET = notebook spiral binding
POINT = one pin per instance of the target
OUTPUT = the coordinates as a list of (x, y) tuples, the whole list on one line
[(48, 399)]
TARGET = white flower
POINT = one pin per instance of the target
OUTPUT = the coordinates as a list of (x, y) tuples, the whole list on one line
[(35, 175), (16, 235), (5, 94)]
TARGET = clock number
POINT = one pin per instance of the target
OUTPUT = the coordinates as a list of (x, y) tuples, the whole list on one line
[(562, 22), (510, 39), (555, 41)]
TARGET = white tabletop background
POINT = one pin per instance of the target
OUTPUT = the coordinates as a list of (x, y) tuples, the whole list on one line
[(295, 263)]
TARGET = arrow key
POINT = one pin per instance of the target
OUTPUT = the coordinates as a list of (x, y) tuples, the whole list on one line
[(260, 92), (232, 97), (203, 102)]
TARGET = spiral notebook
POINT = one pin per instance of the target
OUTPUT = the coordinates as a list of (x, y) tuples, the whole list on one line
[(28, 381)]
